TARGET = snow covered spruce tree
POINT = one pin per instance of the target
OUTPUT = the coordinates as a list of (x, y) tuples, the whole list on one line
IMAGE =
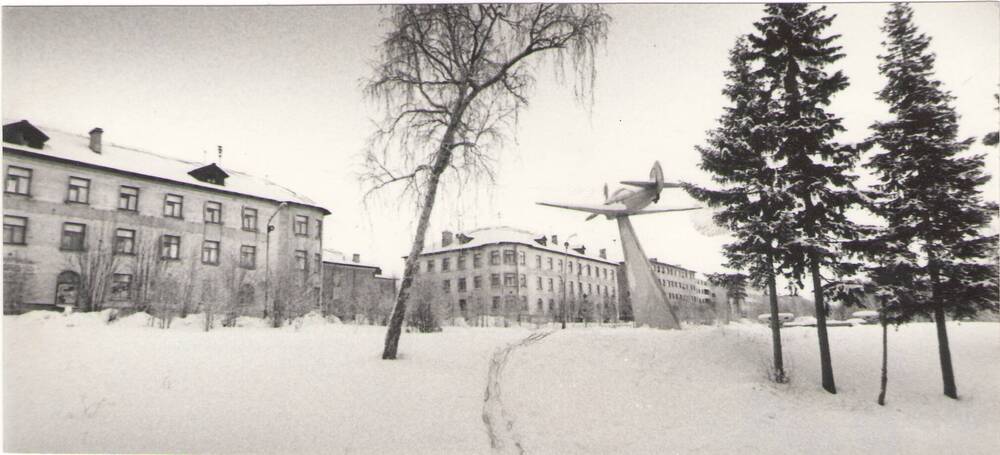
[(737, 156), (810, 166), (452, 79), (931, 197)]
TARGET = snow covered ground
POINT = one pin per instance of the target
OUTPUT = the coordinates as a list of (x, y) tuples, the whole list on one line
[(75, 384)]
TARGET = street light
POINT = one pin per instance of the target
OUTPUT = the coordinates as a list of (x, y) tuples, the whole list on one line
[(267, 256), (565, 282)]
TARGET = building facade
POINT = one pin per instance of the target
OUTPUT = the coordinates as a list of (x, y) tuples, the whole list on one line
[(694, 298), (505, 274), (91, 225), (355, 291)]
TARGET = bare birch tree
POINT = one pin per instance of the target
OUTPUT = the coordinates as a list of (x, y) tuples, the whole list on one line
[(96, 265), (452, 79)]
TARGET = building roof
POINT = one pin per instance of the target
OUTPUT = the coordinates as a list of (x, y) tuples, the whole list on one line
[(76, 148), (339, 258), (506, 234)]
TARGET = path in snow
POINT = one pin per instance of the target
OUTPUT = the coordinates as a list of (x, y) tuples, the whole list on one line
[(498, 420)]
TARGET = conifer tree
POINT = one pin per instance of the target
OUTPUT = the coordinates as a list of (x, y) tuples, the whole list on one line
[(929, 189), (736, 155), (811, 167)]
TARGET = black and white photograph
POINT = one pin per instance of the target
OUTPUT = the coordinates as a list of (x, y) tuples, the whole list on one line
[(501, 228)]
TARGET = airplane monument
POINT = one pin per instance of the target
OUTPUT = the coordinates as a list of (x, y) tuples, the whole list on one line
[(649, 302)]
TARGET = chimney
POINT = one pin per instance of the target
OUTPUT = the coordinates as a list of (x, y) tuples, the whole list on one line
[(446, 238), (356, 258), (603, 253), (95, 140), (555, 240)]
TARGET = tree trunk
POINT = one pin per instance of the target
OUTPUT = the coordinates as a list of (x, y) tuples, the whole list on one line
[(944, 351), (826, 365), (772, 288), (885, 357), (441, 161)]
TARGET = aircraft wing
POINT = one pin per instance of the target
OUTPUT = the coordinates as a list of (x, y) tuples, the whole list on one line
[(649, 210), (614, 209), (645, 184), (599, 209)]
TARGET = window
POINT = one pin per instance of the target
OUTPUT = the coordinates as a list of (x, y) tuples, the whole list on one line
[(494, 257), (213, 212), (301, 260), (521, 257), (496, 303), (550, 263), (523, 281), (509, 279), (248, 256), (550, 284), (538, 261), (588, 269), (477, 260), (571, 288), (73, 237), (15, 230), (173, 206), (570, 266), (560, 266), (495, 280), (121, 286), (301, 226), (124, 241), (590, 289), (128, 198), (430, 266), (210, 252), (539, 307), (318, 262), (461, 262), (319, 228), (18, 181), (249, 219), (461, 285), (477, 282), (508, 257), (552, 305), (170, 247), (538, 285), (446, 286), (79, 190), (445, 264)]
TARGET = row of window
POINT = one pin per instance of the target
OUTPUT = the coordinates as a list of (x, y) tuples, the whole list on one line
[(675, 284), (674, 271), (508, 258), (74, 238), (510, 301), (512, 280), (78, 192)]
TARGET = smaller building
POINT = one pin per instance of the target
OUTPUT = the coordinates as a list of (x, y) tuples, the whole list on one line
[(356, 291), (694, 298)]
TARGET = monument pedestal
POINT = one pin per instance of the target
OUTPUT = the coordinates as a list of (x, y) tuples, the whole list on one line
[(649, 302)]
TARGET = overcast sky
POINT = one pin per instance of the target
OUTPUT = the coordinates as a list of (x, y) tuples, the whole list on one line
[(279, 88)]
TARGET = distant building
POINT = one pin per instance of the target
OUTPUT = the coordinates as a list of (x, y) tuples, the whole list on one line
[(695, 299), (90, 224), (353, 290), (509, 274)]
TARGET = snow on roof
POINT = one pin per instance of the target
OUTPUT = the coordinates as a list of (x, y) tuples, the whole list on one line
[(76, 147), (506, 234), (337, 257)]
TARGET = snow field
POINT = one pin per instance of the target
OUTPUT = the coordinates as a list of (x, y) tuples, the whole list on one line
[(322, 388)]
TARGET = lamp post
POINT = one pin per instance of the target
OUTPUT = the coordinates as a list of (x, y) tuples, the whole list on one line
[(565, 282), (267, 257)]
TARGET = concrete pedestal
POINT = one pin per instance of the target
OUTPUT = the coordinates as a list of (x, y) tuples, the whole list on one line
[(649, 302)]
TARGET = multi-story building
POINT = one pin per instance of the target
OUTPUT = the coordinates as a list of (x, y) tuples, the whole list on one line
[(91, 224), (516, 275), (353, 290), (694, 298)]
